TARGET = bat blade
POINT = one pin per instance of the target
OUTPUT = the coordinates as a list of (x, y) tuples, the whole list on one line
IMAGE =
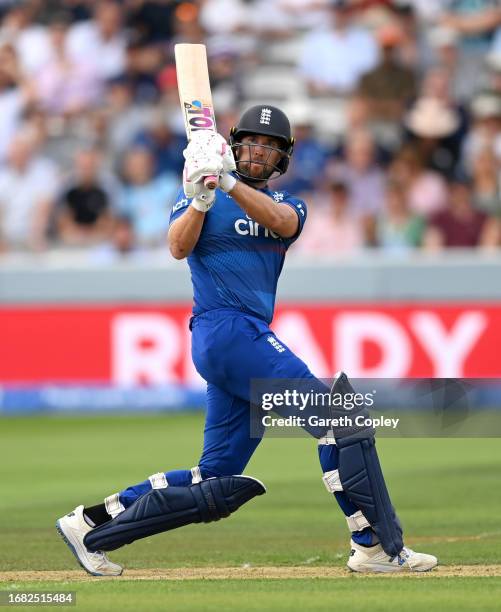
[(195, 93)]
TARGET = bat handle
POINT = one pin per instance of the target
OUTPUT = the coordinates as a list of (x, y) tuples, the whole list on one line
[(210, 182)]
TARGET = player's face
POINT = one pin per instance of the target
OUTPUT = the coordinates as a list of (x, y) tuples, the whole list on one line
[(258, 155)]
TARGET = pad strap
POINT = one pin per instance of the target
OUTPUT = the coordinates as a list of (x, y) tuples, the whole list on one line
[(158, 481), (357, 521), (113, 505), (327, 439), (332, 481), (196, 475)]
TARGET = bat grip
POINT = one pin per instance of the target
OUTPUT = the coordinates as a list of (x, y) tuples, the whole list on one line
[(210, 182)]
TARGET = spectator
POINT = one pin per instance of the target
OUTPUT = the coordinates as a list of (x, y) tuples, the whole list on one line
[(397, 228), (12, 98), (122, 246), (476, 24), (144, 62), (64, 86), (307, 166), (460, 224), (234, 29), (426, 190), (122, 120), (485, 176), (153, 19), (100, 42), (362, 174), (332, 229), (30, 39), (28, 186), (390, 85), (444, 46), (147, 199), (165, 145), (84, 214), (335, 57), (435, 130), (485, 132)]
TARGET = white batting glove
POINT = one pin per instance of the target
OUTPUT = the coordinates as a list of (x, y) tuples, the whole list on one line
[(195, 169), (204, 200), (208, 145), (205, 143), (193, 185)]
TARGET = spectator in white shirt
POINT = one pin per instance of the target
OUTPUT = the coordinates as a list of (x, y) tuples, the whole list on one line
[(12, 97), (28, 186), (335, 57), (64, 85), (101, 41), (30, 39)]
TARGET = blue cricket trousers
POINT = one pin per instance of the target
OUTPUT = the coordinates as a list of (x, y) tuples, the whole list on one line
[(229, 348)]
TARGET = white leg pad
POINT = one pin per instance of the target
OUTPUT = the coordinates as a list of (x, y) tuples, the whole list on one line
[(332, 481), (158, 481), (357, 521), (196, 475), (113, 505)]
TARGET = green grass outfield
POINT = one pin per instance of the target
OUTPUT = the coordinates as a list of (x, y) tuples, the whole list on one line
[(447, 493)]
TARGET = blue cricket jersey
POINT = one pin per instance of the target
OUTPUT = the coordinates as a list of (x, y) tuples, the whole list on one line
[(236, 262)]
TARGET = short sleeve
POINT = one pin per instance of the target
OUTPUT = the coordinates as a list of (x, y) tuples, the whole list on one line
[(179, 208), (302, 212)]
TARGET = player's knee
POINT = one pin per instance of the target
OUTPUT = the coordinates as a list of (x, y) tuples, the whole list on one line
[(217, 469)]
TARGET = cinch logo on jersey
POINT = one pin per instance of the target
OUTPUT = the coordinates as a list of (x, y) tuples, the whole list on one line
[(265, 116), (248, 227), (276, 344)]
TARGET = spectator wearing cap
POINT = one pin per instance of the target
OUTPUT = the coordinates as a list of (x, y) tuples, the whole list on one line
[(332, 229), (84, 212), (460, 225), (390, 85), (433, 126), (145, 198), (336, 55)]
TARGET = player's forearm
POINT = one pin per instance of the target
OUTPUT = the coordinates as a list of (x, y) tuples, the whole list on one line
[(279, 219), (185, 232)]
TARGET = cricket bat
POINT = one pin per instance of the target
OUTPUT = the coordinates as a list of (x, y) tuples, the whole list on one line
[(194, 93)]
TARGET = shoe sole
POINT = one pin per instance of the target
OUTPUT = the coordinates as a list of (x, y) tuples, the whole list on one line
[(75, 553), (383, 569)]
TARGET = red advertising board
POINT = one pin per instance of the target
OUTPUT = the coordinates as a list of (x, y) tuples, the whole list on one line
[(150, 345)]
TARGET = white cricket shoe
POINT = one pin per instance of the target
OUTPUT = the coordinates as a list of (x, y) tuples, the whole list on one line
[(72, 528), (374, 559)]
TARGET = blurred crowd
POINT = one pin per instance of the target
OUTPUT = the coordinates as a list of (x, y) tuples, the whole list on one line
[(396, 107)]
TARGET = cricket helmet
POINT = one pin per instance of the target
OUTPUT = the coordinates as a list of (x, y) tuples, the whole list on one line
[(264, 120)]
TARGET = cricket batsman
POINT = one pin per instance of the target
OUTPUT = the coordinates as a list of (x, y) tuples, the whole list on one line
[(235, 238)]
